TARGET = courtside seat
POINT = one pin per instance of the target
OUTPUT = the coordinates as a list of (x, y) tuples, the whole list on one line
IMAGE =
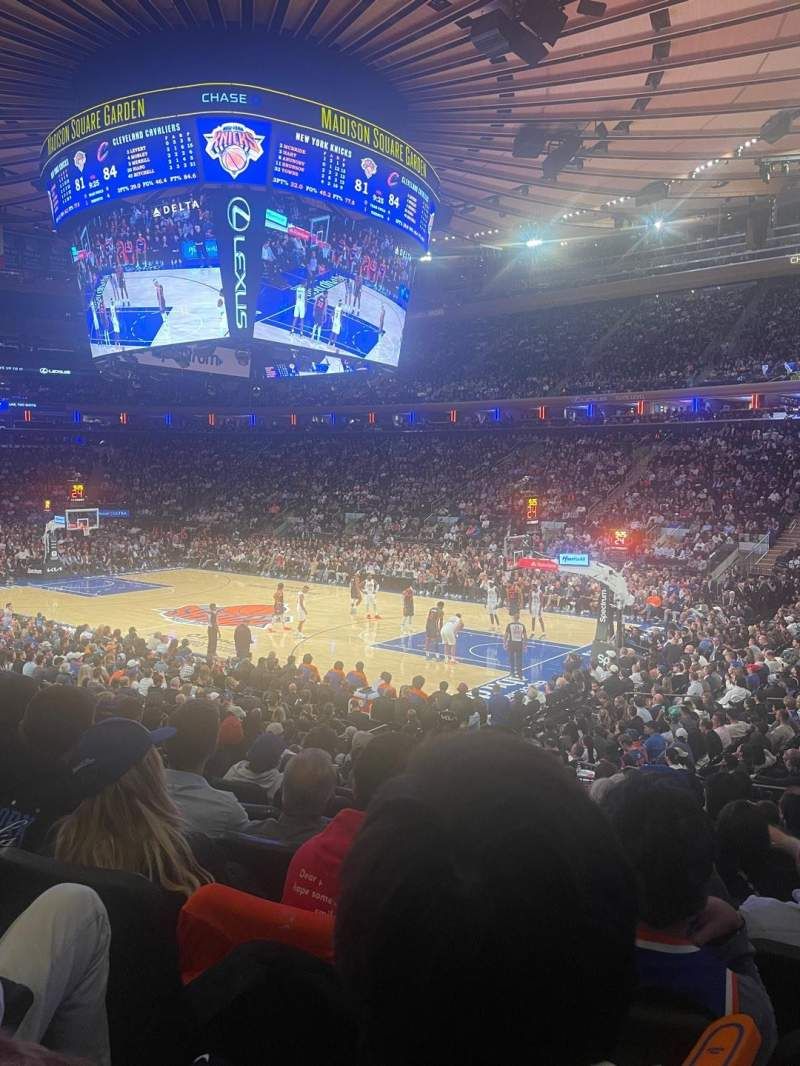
[(266, 861), (143, 978)]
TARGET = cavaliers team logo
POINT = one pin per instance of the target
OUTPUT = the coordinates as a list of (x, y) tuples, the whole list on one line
[(235, 146), (259, 615)]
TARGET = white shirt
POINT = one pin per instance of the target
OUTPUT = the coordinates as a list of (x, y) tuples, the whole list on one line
[(337, 319), (772, 919)]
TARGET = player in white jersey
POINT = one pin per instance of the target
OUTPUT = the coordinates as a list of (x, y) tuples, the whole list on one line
[(370, 593), (493, 604), (113, 319), (299, 308), (336, 325), (301, 608), (536, 610), (450, 630)]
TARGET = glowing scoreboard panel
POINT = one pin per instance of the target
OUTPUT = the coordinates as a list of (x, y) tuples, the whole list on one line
[(137, 159), (315, 164), (304, 146)]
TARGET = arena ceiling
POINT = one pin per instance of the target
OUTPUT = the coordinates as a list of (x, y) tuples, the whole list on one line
[(651, 89)]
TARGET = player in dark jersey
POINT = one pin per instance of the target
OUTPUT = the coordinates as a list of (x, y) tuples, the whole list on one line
[(162, 303), (355, 593), (119, 274), (433, 631), (513, 599), (279, 606), (408, 610)]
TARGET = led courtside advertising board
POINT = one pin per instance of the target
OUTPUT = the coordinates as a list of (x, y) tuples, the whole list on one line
[(240, 214)]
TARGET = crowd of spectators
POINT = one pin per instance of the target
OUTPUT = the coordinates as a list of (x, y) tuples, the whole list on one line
[(738, 333), (412, 820)]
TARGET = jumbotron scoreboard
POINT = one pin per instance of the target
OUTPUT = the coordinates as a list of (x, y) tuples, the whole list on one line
[(212, 212), (171, 138)]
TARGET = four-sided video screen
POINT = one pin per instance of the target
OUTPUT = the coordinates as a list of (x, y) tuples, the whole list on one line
[(291, 244)]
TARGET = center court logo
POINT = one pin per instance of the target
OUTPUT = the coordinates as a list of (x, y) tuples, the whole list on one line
[(234, 146), (259, 615)]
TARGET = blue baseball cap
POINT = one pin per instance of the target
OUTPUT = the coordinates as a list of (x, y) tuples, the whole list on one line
[(106, 751), (265, 753)]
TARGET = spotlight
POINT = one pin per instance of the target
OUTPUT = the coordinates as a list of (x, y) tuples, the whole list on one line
[(534, 242), (425, 258), (778, 125), (658, 223)]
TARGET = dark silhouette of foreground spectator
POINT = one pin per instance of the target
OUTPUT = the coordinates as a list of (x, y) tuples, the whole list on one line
[(688, 943), (34, 788), (312, 880), (483, 897)]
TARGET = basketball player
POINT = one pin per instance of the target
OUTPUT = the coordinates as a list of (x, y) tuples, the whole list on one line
[(336, 326), (536, 610), (355, 593), (299, 308), (119, 273), (516, 635), (408, 610), (279, 605), (320, 310), (348, 290), (513, 599), (113, 319), (493, 605), (141, 252), (359, 281), (213, 631), (301, 608), (381, 321), (162, 303), (450, 630), (370, 592), (221, 313), (433, 631), (95, 320)]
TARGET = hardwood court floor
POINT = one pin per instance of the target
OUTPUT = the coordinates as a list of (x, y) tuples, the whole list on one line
[(148, 600)]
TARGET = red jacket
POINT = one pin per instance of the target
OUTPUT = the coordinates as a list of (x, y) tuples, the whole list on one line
[(312, 880)]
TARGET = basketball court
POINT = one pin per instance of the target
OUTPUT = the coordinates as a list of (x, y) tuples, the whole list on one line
[(175, 602)]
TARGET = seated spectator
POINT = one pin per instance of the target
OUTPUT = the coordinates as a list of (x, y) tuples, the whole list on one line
[(485, 859), (34, 786), (688, 943), (749, 862), (204, 809), (127, 820), (312, 880), (783, 732), (309, 782), (261, 765), (58, 949)]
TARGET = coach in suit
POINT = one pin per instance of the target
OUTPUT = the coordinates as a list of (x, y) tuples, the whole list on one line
[(213, 630)]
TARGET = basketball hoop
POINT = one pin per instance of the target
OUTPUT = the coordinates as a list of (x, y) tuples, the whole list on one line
[(83, 526)]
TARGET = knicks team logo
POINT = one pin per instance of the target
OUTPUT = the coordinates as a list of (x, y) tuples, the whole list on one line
[(259, 615), (235, 146)]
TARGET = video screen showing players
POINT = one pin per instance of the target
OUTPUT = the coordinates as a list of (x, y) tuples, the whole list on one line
[(333, 283), (149, 275)]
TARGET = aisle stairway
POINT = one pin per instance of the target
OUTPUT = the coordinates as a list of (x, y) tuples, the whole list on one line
[(788, 540)]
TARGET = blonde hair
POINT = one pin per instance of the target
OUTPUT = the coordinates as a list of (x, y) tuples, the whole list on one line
[(134, 826)]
